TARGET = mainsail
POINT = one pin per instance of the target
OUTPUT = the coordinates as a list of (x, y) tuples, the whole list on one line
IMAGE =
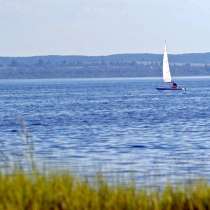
[(166, 68)]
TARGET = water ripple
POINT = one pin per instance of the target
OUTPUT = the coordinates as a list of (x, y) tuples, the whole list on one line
[(120, 127)]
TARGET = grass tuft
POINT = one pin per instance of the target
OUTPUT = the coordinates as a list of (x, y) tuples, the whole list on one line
[(63, 191)]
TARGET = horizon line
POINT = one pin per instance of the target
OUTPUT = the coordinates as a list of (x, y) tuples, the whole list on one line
[(107, 55)]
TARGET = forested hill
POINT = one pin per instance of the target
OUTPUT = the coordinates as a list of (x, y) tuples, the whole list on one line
[(176, 58), (118, 65)]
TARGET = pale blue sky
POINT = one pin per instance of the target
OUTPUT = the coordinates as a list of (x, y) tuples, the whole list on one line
[(101, 27)]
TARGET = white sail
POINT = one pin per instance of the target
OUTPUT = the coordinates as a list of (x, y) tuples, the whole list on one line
[(166, 68)]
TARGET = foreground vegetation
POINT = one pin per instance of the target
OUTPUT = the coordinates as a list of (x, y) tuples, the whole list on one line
[(32, 190), (63, 191)]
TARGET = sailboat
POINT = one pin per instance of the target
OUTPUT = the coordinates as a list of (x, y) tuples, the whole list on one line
[(167, 74)]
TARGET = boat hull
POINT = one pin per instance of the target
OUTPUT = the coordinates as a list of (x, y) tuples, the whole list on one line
[(165, 88)]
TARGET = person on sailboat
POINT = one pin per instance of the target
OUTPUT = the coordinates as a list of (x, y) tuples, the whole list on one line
[(174, 85)]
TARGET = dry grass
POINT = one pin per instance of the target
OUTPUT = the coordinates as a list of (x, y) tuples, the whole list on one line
[(62, 191)]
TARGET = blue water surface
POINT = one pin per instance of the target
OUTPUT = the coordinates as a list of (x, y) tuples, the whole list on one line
[(121, 127)]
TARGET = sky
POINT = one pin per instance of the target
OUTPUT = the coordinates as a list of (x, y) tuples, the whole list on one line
[(103, 27)]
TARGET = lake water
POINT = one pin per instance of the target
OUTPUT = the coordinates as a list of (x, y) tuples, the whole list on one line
[(122, 127)]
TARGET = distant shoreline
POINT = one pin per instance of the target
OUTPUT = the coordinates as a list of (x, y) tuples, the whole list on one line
[(122, 65)]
